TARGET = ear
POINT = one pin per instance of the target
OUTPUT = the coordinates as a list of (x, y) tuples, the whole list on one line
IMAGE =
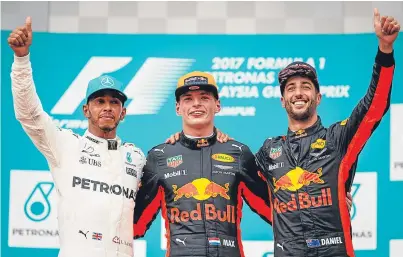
[(123, 114), (318, 98), (177, 109), (217, 106), (86, 110), (282, 102)]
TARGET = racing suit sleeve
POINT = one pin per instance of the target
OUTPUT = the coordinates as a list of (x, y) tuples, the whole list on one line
[(29, 112), (149, 198), (254, 189), (353, 132)]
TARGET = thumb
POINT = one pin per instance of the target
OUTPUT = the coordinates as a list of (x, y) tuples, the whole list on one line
[(28, 24), (377, 16)]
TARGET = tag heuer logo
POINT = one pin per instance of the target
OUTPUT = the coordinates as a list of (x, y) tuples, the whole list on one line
[(174, 161), (276, 152)]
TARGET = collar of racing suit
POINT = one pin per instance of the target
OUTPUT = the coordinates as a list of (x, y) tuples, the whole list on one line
[(112, 144), (305, 132), (197, 143)]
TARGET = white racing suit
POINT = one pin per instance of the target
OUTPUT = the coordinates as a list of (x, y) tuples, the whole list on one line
[(96, 179)]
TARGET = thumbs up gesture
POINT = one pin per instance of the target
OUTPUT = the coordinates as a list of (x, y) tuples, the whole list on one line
[(386, 28), (20, 39)]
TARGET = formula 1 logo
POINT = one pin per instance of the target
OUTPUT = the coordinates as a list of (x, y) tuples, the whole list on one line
[(149, 88)]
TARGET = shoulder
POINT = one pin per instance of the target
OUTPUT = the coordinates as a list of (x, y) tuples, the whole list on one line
[(68, 133), (273, 140), (132, 148)]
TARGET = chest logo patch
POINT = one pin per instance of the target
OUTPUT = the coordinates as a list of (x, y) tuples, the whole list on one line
[(222, 157), (174, 161), (276, 152), (318, 144)]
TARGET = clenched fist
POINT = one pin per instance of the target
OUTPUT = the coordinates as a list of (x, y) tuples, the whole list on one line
[(386, 29), (20, 39)]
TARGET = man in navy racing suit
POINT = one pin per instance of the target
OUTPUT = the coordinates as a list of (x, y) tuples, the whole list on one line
[(310, 169)]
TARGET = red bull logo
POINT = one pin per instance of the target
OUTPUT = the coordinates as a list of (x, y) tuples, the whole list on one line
[(202, 142), (201, 189), (297, 178), (305, 201), (210, 213)]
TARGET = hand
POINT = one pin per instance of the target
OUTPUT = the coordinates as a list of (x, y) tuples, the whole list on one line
[(173, 138), (20, 39), (386, 29), (222, 138), (349, 200)]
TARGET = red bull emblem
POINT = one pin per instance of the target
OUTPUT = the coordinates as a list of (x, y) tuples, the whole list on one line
[(174, 161), (202, 142), (297, 178), (300, 133), (276, 152), (201, 189)]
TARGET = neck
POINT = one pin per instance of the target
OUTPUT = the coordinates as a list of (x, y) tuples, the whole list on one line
[(295, 125), (198, 131), (102, 134)]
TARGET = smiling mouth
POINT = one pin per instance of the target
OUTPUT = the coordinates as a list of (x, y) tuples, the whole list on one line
[(299, 103), (197, 113)]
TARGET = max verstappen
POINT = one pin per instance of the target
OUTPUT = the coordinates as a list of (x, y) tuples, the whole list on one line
[(310, 169), (198, 183), (96, 175)]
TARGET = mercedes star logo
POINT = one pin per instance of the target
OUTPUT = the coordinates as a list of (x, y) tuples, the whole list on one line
[(107, 82)]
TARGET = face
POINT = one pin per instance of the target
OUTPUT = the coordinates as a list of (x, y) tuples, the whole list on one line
[(300, 98), (197, 108), (104, 112)]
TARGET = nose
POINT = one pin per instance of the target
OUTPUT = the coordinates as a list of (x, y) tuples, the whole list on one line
[(196, 102), (107, 106)]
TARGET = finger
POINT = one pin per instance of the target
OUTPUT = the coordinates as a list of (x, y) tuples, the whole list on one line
[(225, 139), (25, 31), (397, 28), (22, 36), (390, 29), (220, 139), (28, 24), (385, 26), (18, 39), (177, 135), (377, 16), (383, 19)]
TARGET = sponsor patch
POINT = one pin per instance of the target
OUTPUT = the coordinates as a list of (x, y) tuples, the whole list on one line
[(318, 144), (276, 152), (174, 161), (222, 157)]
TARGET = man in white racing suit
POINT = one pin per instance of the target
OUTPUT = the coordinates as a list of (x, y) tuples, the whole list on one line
[(96, 175)]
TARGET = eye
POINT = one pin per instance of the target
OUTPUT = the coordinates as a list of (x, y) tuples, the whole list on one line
[(290, 88), (205, 98), (115, 101), (100, 101)]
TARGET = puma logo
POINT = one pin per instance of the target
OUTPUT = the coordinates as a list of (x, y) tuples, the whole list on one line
[(281, 246), (181, 241), (160, 150), (84, 234), (237, 146)]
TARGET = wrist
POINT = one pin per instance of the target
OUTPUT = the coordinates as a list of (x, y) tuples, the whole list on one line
[(386, 48)]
